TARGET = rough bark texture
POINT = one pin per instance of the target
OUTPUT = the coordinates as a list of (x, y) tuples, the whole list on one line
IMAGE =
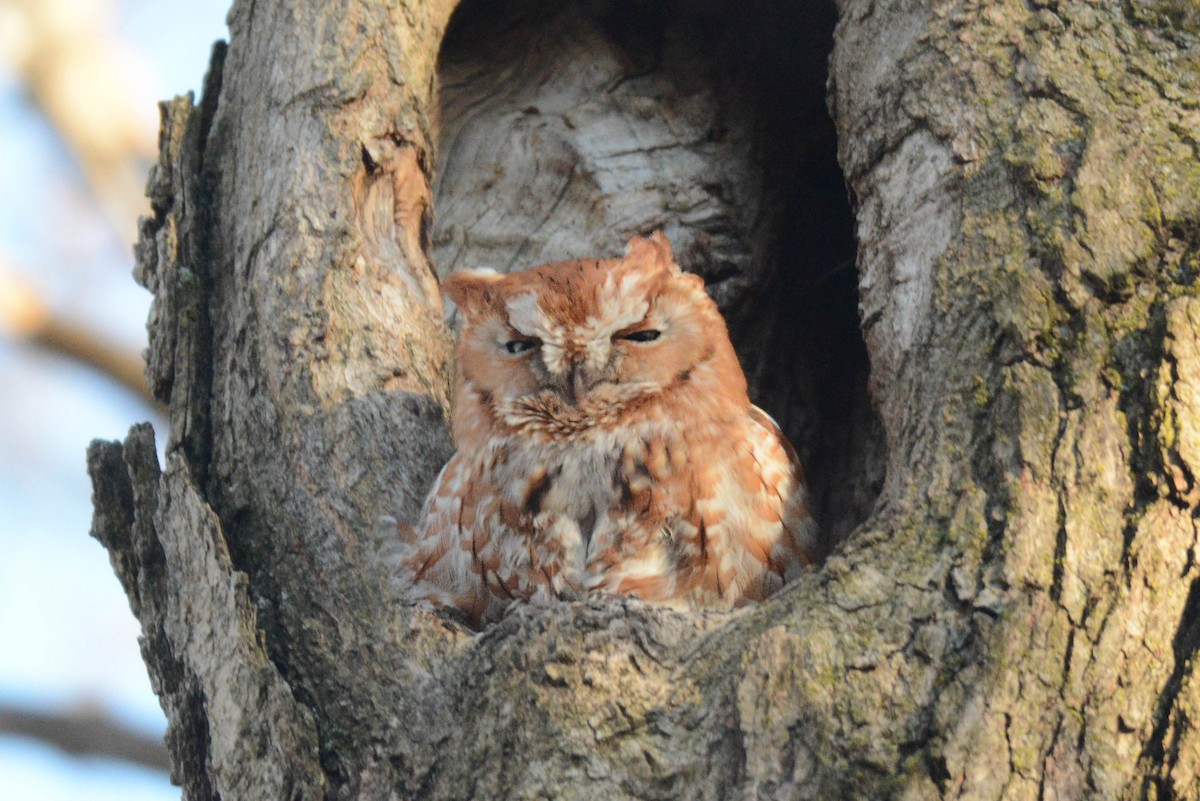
[(1016, 616)]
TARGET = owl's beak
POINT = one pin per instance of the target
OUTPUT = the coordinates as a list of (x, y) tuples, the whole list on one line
[(579, 383), (576, 383)]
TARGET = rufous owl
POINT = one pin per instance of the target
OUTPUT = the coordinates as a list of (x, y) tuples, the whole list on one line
[(605, 444)]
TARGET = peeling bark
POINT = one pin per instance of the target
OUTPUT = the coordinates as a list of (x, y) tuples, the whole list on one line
[(1017, 615)]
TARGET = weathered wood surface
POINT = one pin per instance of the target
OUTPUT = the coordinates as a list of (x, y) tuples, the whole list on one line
[(1018, 616)]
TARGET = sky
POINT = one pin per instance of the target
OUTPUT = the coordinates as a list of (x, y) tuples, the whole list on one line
[(68, 637)]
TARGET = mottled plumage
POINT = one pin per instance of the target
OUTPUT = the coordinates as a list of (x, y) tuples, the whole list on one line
[(605, 443)]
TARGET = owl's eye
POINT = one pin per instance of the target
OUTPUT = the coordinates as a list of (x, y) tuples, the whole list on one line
[(645, 335), (517, 346)]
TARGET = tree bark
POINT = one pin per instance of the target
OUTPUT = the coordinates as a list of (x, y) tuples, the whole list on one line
[(1015, 614)]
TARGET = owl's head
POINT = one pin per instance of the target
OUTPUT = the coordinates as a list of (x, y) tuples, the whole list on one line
[(591, 342)]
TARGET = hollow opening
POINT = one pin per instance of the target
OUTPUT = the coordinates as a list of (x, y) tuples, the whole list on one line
[(567, 128)]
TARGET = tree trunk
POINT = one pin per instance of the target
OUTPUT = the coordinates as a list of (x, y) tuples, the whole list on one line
[(1013, 612)]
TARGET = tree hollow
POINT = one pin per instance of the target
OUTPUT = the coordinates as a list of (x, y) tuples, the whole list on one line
[(567, 128)]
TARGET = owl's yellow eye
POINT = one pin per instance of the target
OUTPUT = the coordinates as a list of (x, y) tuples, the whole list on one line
[(645, 335), (518, 346)]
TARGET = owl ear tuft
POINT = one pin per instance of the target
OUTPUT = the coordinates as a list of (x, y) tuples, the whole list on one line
[(473, 291), (652, 251)]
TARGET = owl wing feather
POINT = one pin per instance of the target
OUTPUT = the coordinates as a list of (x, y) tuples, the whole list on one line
[(707, 518), (482, 546), (783, 476), (752, 526), (442, 567)]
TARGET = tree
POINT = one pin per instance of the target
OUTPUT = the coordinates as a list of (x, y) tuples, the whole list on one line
[(1013, 610)]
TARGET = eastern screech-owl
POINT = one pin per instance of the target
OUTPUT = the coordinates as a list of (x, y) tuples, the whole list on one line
[(605, 443)]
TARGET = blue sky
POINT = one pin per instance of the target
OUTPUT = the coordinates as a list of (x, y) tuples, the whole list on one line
[(69, 638)]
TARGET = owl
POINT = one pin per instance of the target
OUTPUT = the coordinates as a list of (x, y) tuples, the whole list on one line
[(605, 443)]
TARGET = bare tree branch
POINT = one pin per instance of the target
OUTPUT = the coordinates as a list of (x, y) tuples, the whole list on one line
[(26, 316), (86, 732)]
